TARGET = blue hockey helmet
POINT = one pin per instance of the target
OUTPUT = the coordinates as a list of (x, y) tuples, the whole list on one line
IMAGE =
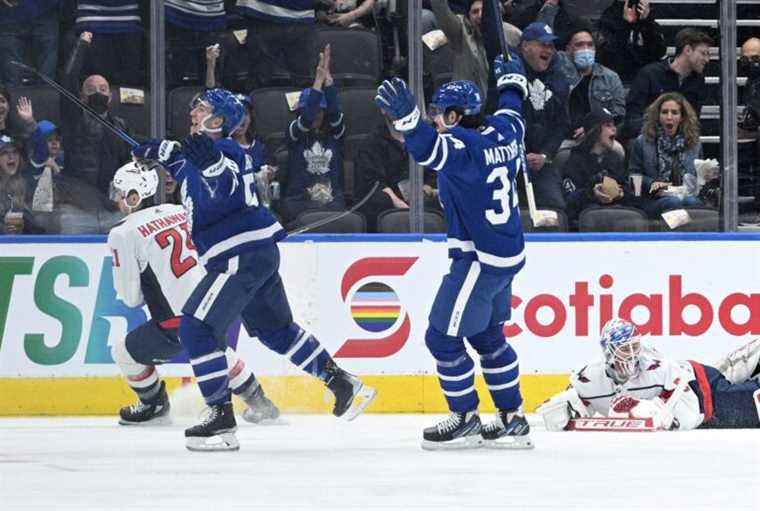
[(221, 103), (462, 94), (621, 344), (304, 97)]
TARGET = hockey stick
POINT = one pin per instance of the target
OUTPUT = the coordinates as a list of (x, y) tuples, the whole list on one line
[(539, 217), (337, 216), (71, 97)]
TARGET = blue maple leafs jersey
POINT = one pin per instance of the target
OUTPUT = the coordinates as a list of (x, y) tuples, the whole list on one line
[(223, 208), (477, 181)]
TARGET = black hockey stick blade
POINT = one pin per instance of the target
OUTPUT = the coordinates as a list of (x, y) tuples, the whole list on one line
[(71, 97), (337, 216)]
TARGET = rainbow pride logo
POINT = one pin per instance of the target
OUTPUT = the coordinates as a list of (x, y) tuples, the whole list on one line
[(375, 307)]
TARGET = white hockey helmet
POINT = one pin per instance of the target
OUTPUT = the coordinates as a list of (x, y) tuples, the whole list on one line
[(131, 179), (621, 344)]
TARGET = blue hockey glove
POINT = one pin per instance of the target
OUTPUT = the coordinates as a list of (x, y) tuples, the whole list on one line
[(510, 74), (162, 151), (200, 151), (393, 97)]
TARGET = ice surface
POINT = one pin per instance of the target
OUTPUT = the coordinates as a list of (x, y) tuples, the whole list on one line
[(375, 462)]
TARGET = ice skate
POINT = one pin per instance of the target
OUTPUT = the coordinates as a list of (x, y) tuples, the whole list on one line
[(351, 395), (153, 413), (216, 432), (260, 409), (458, 431), (510, 430)]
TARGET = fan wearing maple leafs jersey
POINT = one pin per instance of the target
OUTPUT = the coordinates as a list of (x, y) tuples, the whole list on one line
[(315, 149), (155, 263), (636, 381)]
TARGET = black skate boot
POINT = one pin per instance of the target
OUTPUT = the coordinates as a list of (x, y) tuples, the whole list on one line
[(510, 430), (147, 413), (351, 395), (458, 431), (216, 432), (260, 409)]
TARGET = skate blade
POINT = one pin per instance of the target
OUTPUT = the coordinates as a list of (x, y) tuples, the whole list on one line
[(220, 442), (279, 421), (458, 444), (362, 400), (510, 442), (158, 421)]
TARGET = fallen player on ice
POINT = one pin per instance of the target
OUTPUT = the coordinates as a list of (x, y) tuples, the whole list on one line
[(635, 388)]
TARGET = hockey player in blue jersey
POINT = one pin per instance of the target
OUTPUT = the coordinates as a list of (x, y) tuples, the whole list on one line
[(236, 238), (477, 159)]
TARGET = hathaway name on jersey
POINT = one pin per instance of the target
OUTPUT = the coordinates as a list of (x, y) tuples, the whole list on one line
[(153, 226)]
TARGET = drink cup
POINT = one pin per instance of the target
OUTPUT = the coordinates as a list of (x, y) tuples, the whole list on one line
[(636, 184), (14, 222)]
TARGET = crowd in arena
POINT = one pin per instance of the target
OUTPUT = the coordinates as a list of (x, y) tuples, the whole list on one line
[(622, 114)]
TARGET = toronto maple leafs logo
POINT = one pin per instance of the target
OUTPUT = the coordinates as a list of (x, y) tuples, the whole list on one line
[(539, 94), (318, 159)]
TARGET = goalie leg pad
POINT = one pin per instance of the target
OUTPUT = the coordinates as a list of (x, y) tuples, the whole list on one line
[(559, 409), (741, 364)]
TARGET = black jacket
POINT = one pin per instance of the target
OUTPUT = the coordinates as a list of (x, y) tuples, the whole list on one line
[(93, 153), (546, 110), (627, 47), (583, 171), (653, 80)]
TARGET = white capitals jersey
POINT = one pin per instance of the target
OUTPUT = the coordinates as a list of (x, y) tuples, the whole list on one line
[(154, 260), (656, 377)]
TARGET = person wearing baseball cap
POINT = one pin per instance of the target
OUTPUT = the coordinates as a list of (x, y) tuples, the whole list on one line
[(594, 175), (547, 106)]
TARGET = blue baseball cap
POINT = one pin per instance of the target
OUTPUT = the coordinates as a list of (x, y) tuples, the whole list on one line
[(538, 31), (6, 142)]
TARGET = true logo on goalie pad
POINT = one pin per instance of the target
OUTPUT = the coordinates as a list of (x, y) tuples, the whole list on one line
[(611, 424)]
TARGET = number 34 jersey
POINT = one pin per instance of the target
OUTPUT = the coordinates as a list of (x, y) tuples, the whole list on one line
[(154, 260), (477, 174)]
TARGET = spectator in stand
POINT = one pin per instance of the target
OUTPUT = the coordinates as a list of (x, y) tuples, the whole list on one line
[(281, 40), (547, 121), (14, 213), (315, 148), (629, 38), (28, 26), (749, 154), (346, 13), (24, 115), (116, 49), (682, 74), (592, 86), (383, 158), (554, 13), (46, 160), (595, 172), (664, 155), (192, 26), (94, 153), (465, 36)]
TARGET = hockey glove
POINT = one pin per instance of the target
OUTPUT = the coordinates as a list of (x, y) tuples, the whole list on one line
[(510, 74), (200, 151), (393, 98), (162, 151)]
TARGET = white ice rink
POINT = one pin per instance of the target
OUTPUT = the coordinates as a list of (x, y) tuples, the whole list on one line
[(375, 462)]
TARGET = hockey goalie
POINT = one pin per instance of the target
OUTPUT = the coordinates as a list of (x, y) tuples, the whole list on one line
[(635, 388)]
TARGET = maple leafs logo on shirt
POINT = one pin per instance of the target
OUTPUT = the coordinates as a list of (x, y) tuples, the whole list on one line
[(318, 159), (539, 94)]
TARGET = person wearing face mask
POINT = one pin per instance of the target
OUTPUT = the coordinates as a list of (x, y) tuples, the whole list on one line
[(93, 152), (749, 152), (683, 74), (664, 155)]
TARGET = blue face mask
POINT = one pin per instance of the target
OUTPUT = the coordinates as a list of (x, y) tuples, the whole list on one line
[(584, 59)]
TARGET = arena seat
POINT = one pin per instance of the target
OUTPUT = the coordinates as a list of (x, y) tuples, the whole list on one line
[(271, 115), (136, 115), (397, 221), (361, 114), (703, 219), (527, 223), (356, 55), (350, 223), (613, 219)]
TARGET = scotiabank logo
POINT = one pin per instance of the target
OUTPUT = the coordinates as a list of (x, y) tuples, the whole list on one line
[(375, 307), (660, 309)]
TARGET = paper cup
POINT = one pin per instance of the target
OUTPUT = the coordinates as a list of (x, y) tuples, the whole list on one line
[(636, 184)]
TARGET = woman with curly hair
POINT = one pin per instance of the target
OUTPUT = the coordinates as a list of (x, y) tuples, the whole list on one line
[(664, 155)]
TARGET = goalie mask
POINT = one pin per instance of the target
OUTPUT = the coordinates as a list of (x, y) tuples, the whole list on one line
[(133, 183), (621, 344)]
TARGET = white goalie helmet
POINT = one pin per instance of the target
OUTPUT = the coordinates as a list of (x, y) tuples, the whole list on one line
[(621, 344), (136, 178)]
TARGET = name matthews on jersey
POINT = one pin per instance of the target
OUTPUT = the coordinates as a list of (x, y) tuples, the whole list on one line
[(149, 228), (501, 154)]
